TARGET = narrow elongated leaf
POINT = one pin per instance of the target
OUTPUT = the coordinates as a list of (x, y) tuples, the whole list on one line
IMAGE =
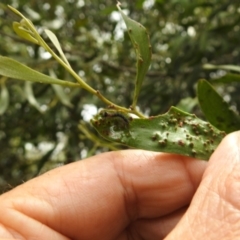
[(13, 69), (31, 98), (187, 104), (141, 43), (223, 67), (227, 78), (56, 43), (173, 132), (216, 110), (24, 33), (45, 158), (62, 96), (4, 99)]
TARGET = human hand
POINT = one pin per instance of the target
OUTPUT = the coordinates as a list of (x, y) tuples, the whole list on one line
[(129, 194), (214, 212)]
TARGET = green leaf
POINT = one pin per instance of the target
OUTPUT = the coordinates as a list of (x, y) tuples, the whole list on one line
[(31, 98), (25, 28), (173, 132), (62, 96), (44, 159), (216, 110), (56, 43), (59, 90), (187, 104), (24, 33), (222, 67), (4, 99), (227, 78), (141, 43), (13, 69)]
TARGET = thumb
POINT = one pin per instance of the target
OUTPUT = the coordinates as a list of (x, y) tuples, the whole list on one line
[(214, 212)]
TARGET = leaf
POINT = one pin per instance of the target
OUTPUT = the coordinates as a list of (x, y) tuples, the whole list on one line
[(227, 78), (173, 132), (33, 14), (4, 99), (56, 43), (25, 28), (13, 69), (31, 98), (216, 110), (24, 33), (62, 96), (44, 159), (187, 104), (222, 67), (141, 43)]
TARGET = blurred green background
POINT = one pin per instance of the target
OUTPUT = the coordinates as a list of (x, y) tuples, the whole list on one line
[(39, 132)]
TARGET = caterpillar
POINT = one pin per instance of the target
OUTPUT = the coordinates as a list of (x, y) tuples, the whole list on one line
[(124, 119)]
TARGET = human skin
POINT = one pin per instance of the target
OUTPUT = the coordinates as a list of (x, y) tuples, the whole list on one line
[(130, 194)]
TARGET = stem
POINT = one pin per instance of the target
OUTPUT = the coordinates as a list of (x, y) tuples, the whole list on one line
[(140, 115), (67, 66), (86, 86)]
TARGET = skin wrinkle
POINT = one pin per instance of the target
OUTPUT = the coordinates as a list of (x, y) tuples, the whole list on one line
[(169, 222), (40, 201), (137, 201), (230, 191), (124, 180), (231, 219), (232, 187), (75, 189), (55, 208), (9, 229), (45, 198), (10, 232), (20, 218), (210, 211), (51, 202), (218, 192), (146, 176), (189, 178), (130, 199), (158, 228), (188, 225), (131, 233), (112, 164), (69, 205)]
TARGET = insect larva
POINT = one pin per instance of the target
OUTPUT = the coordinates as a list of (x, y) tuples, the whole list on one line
[(124, 120)]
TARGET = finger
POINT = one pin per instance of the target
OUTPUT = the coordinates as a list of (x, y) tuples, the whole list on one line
[(81, 200), (156, 228), (157, 184), (215, 210)]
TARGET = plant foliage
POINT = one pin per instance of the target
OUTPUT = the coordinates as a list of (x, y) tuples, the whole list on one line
[(39, 121)]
